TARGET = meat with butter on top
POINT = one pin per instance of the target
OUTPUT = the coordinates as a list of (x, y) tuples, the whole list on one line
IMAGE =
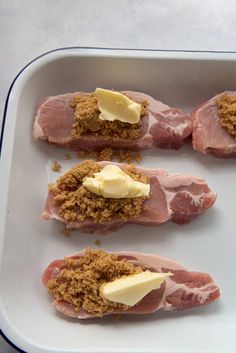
[(161, 198), (77, 283), (74, 121)]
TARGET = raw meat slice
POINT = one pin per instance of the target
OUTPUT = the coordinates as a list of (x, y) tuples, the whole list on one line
[(184, 290), (208, 135), (179, 198), (162, 126)]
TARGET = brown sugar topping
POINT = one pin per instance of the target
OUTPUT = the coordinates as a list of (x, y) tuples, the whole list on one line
[(67, 156), (56, 167), (128, 157), (80, 279), (108, 154), (76, 203), (66, 232), (98, 242), (87, 120), (227, 109)]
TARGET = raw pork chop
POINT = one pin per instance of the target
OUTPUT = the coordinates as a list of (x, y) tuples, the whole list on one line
[(176, 197), (162, 126), (208, 134), (183, 290)]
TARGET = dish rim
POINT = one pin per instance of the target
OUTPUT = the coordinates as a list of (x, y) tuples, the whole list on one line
[(214, 56), (184, 51)]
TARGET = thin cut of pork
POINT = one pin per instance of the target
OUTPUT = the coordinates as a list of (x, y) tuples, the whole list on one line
[(208, 135), (162, 126), (184, 290), (177, 197)]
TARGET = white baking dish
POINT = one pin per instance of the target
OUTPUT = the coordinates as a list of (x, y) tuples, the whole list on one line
[(28, 244)]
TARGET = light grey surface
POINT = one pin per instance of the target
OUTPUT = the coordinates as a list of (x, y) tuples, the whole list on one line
[(30, 27)]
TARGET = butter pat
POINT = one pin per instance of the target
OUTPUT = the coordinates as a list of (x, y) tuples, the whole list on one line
[(130, 290), (116, 106), (112, 182)]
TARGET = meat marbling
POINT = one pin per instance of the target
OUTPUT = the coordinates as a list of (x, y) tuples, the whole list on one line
[(208, 135), (179, 198), (162, 126), (184, 290)]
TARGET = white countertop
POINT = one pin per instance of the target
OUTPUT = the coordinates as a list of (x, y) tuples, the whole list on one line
[(30, 27)]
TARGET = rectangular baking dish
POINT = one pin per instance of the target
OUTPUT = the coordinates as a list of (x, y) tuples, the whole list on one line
[(28, 244)]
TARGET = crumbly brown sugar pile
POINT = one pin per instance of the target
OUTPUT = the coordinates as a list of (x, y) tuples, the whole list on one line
[(108, 154), (87, 120), (76, 203), (227, 109), (79, 281), (56, 167)]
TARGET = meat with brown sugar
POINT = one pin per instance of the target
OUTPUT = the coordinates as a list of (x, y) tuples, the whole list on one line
[(75, 284), (71, 121), (178, 198), (214, 126)]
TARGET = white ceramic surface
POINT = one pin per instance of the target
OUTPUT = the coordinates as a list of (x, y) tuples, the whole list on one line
[(28, 244)]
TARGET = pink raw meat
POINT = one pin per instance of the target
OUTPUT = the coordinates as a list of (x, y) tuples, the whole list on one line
[(179, 198), (162, 126), (184, 290), (208, 135)]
